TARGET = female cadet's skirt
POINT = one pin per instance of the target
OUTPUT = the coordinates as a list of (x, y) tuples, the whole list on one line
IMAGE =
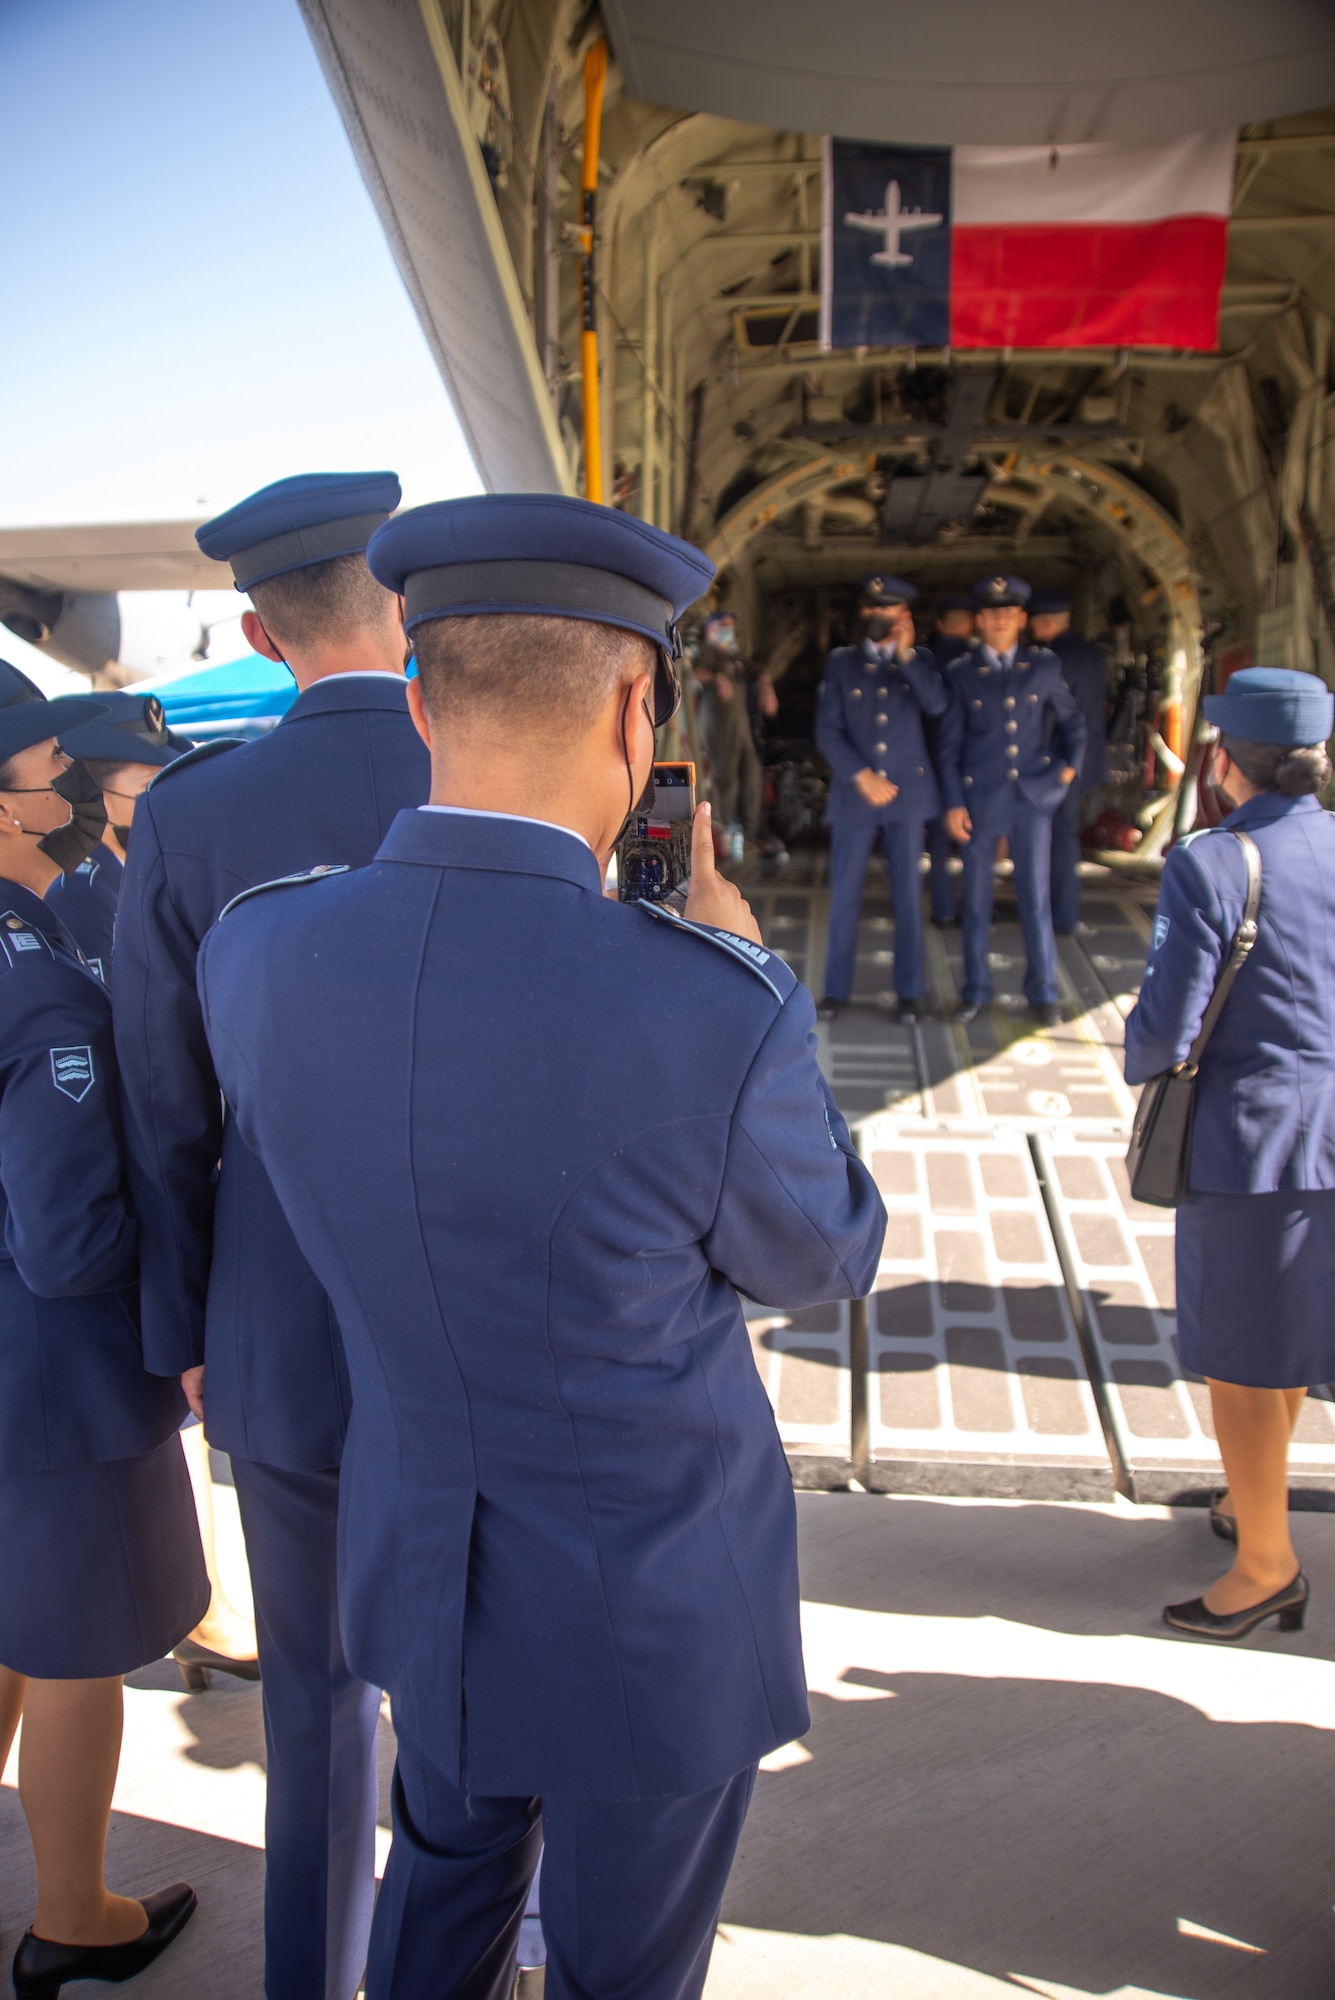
[(101, 1569), (1256, 1287)]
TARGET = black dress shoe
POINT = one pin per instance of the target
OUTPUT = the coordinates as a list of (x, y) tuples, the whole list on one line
[(968, 1010), (1047, 1013), (1288, 1605), (1224, 1525), (827, 1007), (944, 923), (42, 1967), (199, 1663), (906, 1012)]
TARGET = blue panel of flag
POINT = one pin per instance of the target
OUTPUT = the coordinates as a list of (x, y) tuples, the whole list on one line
[(886, 271)]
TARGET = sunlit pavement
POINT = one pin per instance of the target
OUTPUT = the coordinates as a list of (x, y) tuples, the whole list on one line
[(1015, 1780)]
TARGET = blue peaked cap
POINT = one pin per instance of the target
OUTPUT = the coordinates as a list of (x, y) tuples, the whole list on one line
[(296, 522), (1043, 601), (540, 554), (1273, 705), (888, 590), (131, 730), (27, 717), (992, 591)]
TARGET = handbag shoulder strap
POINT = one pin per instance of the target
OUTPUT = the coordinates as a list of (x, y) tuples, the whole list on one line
[(1244, 937)]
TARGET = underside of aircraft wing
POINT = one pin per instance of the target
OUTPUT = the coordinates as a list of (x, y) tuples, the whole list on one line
[(135, 555)]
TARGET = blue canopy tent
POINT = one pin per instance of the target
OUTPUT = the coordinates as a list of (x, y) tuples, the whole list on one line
[(237, 698)]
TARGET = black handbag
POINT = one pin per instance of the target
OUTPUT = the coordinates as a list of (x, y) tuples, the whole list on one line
[(1158, 1158)]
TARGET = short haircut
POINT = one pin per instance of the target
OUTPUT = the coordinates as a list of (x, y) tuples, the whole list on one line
[(1296, 769), (9, 775), (327, 603), (523, 671)]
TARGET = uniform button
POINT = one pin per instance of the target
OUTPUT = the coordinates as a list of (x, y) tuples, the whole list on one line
[(882, 718), (976, 702), (880, 750), (968, 781), (1033, 697), (1009, 701), (917, 770), (1011, 728), (1012, 774), (857, 694), (880, 774), (1011, 750)]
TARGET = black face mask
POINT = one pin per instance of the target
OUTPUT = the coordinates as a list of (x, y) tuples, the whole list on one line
[(879, 628), (72, 843)]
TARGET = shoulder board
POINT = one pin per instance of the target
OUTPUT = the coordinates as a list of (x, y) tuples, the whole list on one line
[(284, 882), (1199, 833), (199, 755), (20, 940), (766, 965)]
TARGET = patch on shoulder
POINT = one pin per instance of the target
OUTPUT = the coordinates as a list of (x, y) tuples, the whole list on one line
[(284, 882), (199, 755), (1162, 926), (72, 1072), (19, 940), (765, 964)]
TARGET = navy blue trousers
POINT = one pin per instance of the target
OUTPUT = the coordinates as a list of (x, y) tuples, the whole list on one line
[(851, 844), (941, 883), (320, 1733), (1030, 834), (1065, 855), (631, 1892)]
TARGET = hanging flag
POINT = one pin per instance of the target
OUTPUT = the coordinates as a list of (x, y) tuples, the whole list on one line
[(1097, 245)]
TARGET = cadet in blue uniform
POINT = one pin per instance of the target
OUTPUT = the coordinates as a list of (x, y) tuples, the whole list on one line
[(123, 751), (223, 1282), (1010, 744), (100, 1566), (869, 729), (1085, 667), (953, 636), (568, 1528), (1256, 1232)]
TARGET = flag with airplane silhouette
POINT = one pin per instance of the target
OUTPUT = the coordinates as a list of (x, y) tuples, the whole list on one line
[(1094, 245)]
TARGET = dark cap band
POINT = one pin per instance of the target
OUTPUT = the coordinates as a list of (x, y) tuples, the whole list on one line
[(301, 547), (538, 589)]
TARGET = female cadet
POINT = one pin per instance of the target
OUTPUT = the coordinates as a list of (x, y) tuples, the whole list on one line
[(1256, 1231), (100, 1566)]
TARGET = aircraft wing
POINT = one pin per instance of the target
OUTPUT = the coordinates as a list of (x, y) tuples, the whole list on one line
[(109, 556)]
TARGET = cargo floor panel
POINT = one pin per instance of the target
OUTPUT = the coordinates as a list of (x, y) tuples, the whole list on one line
[(803, 1360)]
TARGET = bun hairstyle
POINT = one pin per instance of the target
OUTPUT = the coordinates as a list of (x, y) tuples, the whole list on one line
[(1295, 769)]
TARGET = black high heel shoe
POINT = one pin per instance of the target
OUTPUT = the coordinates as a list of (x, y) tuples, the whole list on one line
[(1224, 1525), (199, 1663), (41, 1967), (1288, 1605)]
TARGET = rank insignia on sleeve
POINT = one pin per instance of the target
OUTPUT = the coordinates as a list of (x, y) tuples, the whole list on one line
[(1161, 929), (72, 1072)]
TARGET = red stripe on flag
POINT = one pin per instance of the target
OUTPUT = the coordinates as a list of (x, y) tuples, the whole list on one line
[(1151, 284)]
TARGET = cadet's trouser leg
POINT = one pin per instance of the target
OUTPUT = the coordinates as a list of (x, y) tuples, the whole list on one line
[(725, 783), (850, 851), (320, 1729), (1031, 849), (751, 783), (940, 880), (902, 841), (976, 911), (630, 1892), (1065, 856), (452, 1899)]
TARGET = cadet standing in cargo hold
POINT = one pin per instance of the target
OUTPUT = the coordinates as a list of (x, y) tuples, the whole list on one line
[(570, 1530), (228, 1299), (1010, 744), (869, 728), (953, 636), (1085, 667)]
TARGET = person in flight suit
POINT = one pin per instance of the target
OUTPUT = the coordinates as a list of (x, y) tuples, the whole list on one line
[(1010, 744), (225, 1288), (736, 778), (869, 729), (953, 636), (1085, 667), (124, 750), (100, 1565), (568, 1523), (1255, 1245)]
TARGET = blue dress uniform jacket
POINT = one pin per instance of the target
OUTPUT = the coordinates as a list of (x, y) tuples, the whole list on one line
[(221, 1273), (1265, 1098), (86, 902), (1009, 726), (1085, 670), (563, 1488), (869, 715), (67, 1264)]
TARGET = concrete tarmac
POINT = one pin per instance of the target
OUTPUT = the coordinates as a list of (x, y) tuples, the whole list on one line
[(1016, 1780)]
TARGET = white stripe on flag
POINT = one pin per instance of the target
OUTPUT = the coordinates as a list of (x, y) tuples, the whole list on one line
[(1098, 182)]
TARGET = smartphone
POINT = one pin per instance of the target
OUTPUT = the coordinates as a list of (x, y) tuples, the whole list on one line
[(654, 853)]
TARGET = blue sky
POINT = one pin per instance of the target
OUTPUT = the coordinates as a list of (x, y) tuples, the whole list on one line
[(198, 295)]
